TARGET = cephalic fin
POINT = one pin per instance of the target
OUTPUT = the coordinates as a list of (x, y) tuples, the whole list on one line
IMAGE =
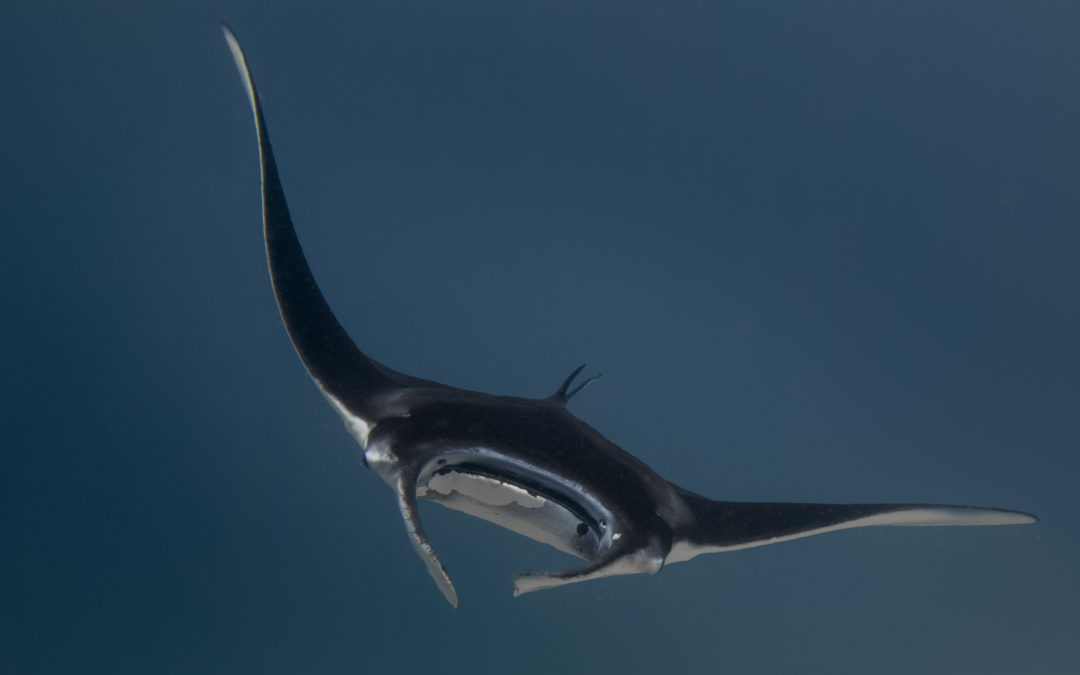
[(406, 492), (647, 560)]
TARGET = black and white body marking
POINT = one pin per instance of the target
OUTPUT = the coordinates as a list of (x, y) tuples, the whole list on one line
[(528, 465)]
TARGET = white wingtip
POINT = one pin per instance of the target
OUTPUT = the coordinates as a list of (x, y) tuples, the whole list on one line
[(953, 516), (241, 64)]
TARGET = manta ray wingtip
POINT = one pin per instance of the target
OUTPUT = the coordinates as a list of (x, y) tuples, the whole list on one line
[(245, 72), (1023, 518)]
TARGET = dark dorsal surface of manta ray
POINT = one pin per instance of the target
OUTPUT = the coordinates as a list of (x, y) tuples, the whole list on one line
[(528, 465)]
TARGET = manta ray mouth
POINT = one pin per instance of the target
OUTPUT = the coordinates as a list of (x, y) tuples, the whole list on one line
[(521, 502), (533, 487)]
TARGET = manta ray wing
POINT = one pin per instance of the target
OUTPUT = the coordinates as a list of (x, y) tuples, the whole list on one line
[(333, 360), (359, 388), (720, 526)]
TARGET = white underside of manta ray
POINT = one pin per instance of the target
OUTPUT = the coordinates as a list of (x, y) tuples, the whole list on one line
[(528, 465)]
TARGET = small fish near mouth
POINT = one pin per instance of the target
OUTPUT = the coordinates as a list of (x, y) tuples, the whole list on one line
[(528, 465)]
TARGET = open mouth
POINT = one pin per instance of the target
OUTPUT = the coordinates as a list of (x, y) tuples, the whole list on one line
[(519, 501)]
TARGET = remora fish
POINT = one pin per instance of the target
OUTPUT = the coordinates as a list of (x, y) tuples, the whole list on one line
[(528, 465)]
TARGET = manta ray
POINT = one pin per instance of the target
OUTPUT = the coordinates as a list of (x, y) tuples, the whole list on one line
[(528, 465)]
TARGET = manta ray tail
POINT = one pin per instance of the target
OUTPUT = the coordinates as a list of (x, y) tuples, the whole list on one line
[(563, 396), (726, 526)]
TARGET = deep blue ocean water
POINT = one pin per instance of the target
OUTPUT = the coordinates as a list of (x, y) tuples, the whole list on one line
[(821, 252)]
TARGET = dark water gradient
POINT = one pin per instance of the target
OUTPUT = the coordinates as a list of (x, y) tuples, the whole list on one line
[(822, 251)]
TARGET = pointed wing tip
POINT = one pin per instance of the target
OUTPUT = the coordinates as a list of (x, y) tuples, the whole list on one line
[(241, 64), (944, 515), (1021, 518), (979, 516), (234, 45)]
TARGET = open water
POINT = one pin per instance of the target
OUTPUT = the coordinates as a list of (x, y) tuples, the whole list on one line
[(821, 251)]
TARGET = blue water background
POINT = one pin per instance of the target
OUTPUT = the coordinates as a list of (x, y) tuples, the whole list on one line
[(822, 251)]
